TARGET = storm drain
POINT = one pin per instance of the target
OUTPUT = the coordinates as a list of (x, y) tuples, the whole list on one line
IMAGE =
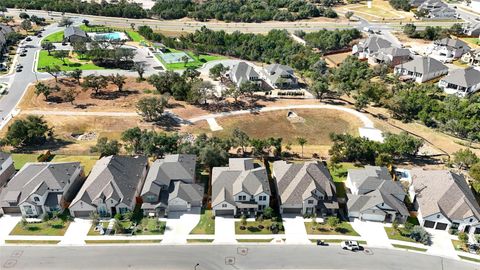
[(229, 260)]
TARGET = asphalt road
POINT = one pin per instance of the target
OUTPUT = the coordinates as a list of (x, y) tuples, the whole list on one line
[(216, 257)]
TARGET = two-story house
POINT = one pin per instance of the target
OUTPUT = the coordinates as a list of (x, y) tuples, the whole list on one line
[(170, 186), (7, 169), (444, 200), (461, 82), (280, 76), (242, 73), (366, 48), (375, 196), (449, 49), (472, 57), (305, 188), (113, 186), (40, 188), (390, 56), (421, 69), (240, 189)]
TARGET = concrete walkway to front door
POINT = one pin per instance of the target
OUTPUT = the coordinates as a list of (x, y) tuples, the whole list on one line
[(295, 231), (224, 230)]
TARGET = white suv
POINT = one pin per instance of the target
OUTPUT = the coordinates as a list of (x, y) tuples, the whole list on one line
[(350, 245)]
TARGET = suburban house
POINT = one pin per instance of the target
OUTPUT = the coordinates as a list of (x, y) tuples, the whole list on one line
[(305, 188), (7, 169), (390, 56), (472, 57), (421, 69), (243, 72), (448, 49), (472, 29), (170, 186), (436, 9), (73, 34), (240, 188), (4, 31), (444, 200), (461, 82), (375, 196), (280, 76), (371, 45), (112, 187), (40, 188)]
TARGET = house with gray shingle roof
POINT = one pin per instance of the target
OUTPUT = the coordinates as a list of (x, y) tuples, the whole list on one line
[(436, 9), (40, 188), (472, 29), (449, 49), (113, 186), (369, 46), (461, 82), (472, 57), (390, 56), (375, 196), (444, 200), (7, 168), (305, 188), (4, 31), (240, 188), (170, 186), (73, 34), (280, 76), (421, 69), (243, 72)]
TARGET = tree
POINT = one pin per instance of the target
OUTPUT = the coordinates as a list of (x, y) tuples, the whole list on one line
[(68, 95), (43, 89), (151, 108), (185, 60), (106, 147), (54, 71), (384, 160), (217, 71), (456, 29), (268, 212), (333, 222), (361, 102), (240, 139), (23, 15), (348, 14), (48, 46), (139, 67), (249, 88), (319, 68), (400, 4), (463, 236), (351, 74), (410, 30), (320, 87), (80, 47), (118, 80), (200, 92), (61, 54), (32, 130), (26, 25), (401, 145), (301, 141), (212, 155), (94, 82), (475, 171), (465, 158), (118, 226), (76, 74), (65, 22)]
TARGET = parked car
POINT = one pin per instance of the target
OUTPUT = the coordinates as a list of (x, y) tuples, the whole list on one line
[(39, 35), (321, 243), (350, 245), (22, 54), (28, 39), (19, 66), (472, 248)]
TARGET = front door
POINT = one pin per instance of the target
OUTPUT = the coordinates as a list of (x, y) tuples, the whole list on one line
[(467, 229), (114, 211)]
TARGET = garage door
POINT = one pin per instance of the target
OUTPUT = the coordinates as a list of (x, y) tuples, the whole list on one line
[(292, 210), (174, 208), (11, 210), (428, 224), (224, 212), (441, 226), (81, 214)]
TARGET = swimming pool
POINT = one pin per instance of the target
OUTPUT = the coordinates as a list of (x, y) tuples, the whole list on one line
[(109, 36)]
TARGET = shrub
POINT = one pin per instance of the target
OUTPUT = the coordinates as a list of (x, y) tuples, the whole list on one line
[(268, 212), (243, 220), (261, 227), (118, 216), (453, 231), (333, 222), (242, 227), (260, 218), (419, 234), (408, 226), (462, 236)]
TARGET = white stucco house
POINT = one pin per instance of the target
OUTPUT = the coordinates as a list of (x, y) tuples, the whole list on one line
[(461, 82), (421, 69)]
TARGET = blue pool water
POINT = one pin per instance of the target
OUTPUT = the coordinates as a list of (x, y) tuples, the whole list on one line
[(109, 36)]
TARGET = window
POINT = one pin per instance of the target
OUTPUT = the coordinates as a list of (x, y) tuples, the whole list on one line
[(471, 220), (261, 207), (122, 210), (36, 199), (262, 198), (28, 210), (438, 216), (242, 198), (224, 205), (150, 198), (310, 201)]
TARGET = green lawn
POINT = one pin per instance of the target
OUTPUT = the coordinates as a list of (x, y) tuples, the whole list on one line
[(255, 240), (410, 247), (336, 241), (42, 228), (459, 245), (199, 240), (344, 228), (135, 36), (20, 159), (206, 224), (198, 61), (151, 228), (252, 227), (86, 161), (340, 171), (56, 37), (122, 241), (47, 60), (469, 259), (396, 235), (33, 242), (471, 40)]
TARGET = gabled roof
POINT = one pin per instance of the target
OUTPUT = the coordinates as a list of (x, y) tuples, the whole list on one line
[(242, 72), (442, 191), (452, 43), (297, 181), (74, 31), (374, 43), (423, 65), (187, 192), (39, 178), (172, 167), (394, 51), (3, 158), (240, 176), (463, 77), (277, 72), (115, 177)]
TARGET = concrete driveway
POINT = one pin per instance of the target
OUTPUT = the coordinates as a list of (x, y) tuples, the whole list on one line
[(373, 232), (224, 230), (76, 232), (7, 223), (295, 231), (442, 244), (179, 225)]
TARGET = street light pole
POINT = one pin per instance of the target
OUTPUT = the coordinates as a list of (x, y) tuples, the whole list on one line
[(195, 267)]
